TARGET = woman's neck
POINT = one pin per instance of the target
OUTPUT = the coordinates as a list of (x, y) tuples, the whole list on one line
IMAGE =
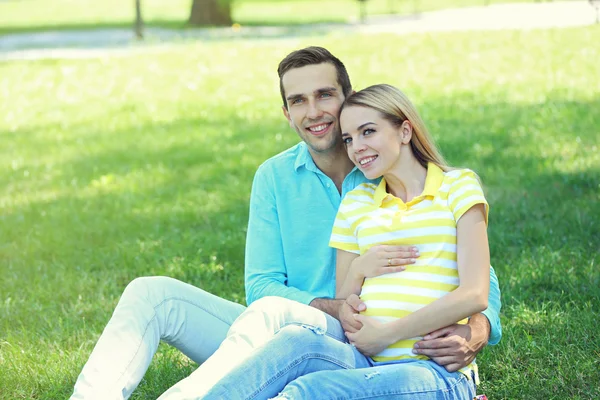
[(406, 180)]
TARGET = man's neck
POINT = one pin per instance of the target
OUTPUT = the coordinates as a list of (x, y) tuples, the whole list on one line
[(335, 164)]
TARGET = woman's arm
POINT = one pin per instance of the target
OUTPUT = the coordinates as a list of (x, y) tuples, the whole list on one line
[(470, 297), (346, 283)]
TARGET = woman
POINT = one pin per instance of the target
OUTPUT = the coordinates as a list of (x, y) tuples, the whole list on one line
[(420, 201)]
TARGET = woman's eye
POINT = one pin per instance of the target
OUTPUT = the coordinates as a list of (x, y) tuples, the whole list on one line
[(346, 140), (368, 131)]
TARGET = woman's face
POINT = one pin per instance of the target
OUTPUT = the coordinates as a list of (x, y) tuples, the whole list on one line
[(372, 142)]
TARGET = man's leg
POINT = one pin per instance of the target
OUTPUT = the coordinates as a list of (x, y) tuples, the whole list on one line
[(293, 352), (153, 309), (250, 350), (411, 380)]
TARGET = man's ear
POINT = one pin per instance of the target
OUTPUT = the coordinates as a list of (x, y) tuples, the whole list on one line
[(287, 116), (406, 132)]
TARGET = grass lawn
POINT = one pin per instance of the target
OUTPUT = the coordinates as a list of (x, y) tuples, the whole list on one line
[(35, 15), (141, 164)]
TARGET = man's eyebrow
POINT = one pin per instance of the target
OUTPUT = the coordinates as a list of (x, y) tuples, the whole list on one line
[(294, 96), (326, 89), (318, 91)]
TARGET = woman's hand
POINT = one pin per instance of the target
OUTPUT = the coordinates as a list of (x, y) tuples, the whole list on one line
[(372, 338), (384, 259)]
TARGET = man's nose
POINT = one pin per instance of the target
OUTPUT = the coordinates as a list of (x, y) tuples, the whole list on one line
[(313, 112)]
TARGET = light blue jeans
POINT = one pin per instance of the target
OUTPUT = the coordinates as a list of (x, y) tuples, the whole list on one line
[(196, 322), (152, 309), (307, 357)]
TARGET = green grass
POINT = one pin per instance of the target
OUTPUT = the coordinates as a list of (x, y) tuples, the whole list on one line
[(37, 15), (141, 164)]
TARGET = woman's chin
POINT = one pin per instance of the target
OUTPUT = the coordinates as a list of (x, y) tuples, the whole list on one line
[(371, 174)]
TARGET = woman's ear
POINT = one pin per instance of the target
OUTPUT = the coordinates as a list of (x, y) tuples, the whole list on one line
[(406, 132)]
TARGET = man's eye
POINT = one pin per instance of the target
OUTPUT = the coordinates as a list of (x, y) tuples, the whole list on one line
[(296, 101), (325, 95)]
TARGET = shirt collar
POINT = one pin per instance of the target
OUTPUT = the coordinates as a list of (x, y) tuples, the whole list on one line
[(433, 181), (304, 159)]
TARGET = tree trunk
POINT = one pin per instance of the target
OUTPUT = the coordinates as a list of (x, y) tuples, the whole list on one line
[(139, 22), (210, 12)]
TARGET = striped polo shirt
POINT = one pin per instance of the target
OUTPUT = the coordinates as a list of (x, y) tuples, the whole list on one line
[(370, 216)]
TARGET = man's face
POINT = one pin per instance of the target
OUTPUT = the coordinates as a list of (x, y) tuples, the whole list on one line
[(314, 98)]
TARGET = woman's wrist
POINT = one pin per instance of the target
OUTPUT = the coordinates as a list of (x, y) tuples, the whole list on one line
[(392, 331), (355, 271)]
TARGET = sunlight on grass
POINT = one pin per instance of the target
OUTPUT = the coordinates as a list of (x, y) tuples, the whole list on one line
[(141, 164)]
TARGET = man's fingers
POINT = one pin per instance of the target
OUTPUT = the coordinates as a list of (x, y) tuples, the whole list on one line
[(453, 367), (440, 343), (432, 353), (356, 303), (439, 333), (444, 361)]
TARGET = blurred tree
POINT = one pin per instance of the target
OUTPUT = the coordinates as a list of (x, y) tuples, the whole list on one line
[(210, 12), (139, 22)]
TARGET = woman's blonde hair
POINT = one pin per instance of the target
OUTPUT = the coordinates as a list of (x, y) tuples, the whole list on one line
[(396, 108)]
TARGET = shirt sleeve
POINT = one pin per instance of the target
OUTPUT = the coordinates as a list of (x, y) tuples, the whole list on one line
[(493, 311), (343, 236), (265, 270), (464, 193)]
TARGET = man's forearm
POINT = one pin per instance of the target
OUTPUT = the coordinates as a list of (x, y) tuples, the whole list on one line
[(480, 331), (329, 306)]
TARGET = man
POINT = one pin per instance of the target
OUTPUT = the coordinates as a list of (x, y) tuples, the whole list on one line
[(295, 196)]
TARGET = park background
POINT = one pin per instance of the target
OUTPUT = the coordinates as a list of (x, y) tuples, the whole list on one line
[(137, 159)]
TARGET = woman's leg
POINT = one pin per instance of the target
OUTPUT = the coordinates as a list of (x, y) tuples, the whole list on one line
[(153, 309), (294, 352), (255, 347), (411, 380)]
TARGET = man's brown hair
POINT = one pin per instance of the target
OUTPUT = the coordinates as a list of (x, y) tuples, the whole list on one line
[(313, 55)]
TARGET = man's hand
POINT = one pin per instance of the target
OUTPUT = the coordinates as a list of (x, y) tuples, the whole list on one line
[(351, 306), (455, 346)]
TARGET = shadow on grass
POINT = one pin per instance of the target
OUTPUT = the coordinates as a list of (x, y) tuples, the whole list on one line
[(186, 216)]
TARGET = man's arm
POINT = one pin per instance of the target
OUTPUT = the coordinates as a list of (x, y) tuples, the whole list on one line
[(493, 311), (265, 271), (456, 346)]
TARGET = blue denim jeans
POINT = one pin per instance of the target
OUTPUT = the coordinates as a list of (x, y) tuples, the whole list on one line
[(302, 363), (313, 361)]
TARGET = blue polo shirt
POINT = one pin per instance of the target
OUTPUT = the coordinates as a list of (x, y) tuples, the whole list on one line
[(292, 210)]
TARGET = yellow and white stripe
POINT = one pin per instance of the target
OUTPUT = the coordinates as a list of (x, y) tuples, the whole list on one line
[(369, 216)]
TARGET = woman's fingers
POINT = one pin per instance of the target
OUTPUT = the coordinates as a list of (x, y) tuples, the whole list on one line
[(401, 261), (389, 270)]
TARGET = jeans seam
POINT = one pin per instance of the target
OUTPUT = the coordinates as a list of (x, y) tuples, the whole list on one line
[(295, 363)]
